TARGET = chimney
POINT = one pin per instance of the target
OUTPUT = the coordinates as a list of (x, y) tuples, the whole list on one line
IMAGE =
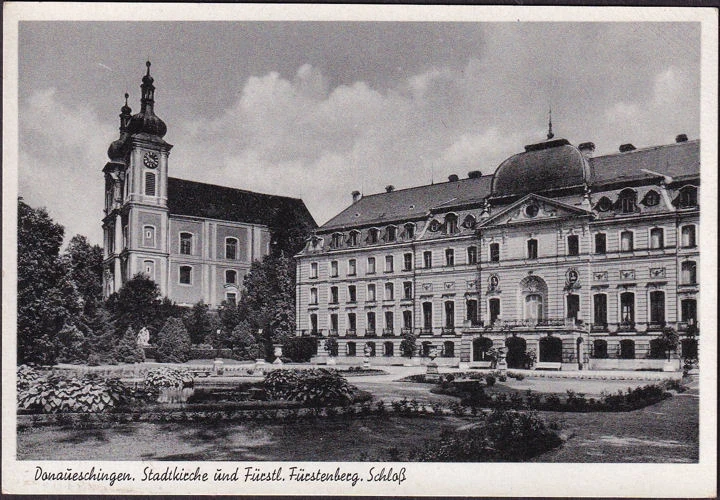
[(453, 178), (624, 148), (356, 196), (587, 149), (389, 188), (474, 174), (681, 138)]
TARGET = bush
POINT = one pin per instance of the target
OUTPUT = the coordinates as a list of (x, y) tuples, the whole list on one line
[(299, 349), (173, 342), (331, 346), (26, 377), (316, 387), (501, 436), (168, 377), (490, 380), (90, 394), (408, 345), (128, 350)]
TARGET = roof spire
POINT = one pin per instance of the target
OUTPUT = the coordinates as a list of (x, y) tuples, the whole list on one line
[(550, 134), (125, 114)]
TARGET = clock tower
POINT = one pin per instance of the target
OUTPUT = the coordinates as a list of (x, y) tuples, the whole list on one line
[(136, 211)]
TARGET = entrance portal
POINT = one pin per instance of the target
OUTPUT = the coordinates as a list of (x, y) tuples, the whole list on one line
[(481, 346), (516, 347), (551, 350)]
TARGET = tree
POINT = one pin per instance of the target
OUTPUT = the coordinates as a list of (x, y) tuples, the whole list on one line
[(289, 228), (47, 299), (243, 343), (173, 342), (331, 346), (85, 262), (669, 340), (200, 323), (128, 350), (408, 345)]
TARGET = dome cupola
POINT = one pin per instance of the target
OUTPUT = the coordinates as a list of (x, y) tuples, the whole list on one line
[(116, 151), (546, 166), (146, 121)]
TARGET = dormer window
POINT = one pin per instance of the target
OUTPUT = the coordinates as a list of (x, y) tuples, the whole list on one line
[(336, 240), (409, 230), (687, 197), (604, 204), (391, 233), (627, 201), (373, 235), (353, 238), (434, 226), (451, 224), (469, 222), (652, 198)]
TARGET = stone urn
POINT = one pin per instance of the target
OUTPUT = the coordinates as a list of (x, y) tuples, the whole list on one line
[(278, 354)]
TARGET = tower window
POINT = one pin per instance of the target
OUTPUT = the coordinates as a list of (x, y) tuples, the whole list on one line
[(186, 243), (149, 184), (149, 266), (231, 277), (231, 245), (185, 275), (149, 236)]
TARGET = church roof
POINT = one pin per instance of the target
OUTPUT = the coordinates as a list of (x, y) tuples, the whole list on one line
[(197, 199), (677, 160)]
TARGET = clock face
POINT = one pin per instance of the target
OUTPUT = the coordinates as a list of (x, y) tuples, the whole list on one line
[(151, 160)]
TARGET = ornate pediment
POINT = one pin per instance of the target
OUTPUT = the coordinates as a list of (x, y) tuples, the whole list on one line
[(534, 208)]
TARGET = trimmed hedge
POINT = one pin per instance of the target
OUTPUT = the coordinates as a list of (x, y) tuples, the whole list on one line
[(195, 353)]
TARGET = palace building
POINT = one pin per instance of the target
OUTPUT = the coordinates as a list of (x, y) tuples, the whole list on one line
[(561, 258), (197, 241)]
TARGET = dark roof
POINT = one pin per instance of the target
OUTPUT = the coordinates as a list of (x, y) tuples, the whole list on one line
[(678, 160), (196, 199), (403, 204), (674, 160)]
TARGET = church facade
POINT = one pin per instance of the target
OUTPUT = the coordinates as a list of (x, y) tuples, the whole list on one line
[(196, 241), (560, 259)]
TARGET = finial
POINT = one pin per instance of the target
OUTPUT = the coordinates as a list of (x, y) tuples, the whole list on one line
[(148, 67), (126, 98), (550, 134)]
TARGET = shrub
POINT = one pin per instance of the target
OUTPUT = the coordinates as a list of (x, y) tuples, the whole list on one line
[(168, 377), (408, 345), (331, 346), (26, 377), (89, 394), (490, 380), (316, 387), (501, 436), (299, 349), (173, 344), (128, 350)]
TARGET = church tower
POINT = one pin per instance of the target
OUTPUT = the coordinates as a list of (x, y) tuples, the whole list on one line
[(136, 212)]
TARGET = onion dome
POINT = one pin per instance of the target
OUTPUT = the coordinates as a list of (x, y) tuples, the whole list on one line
[(116, 150), (146, 121), (547, 166)]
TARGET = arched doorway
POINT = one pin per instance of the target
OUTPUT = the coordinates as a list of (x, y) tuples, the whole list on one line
[(389, 349), (551, 350), (480, 347), (516, 347)]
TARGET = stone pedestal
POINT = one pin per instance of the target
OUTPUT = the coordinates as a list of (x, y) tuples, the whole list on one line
[(366, 364), (218, 368), (432, 374), (331, 361)]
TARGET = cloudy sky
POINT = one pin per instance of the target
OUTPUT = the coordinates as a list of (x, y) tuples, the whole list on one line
[(317, 110)]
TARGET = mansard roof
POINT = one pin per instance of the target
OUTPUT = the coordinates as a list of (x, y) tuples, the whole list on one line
[(197, 199), (681, 161)]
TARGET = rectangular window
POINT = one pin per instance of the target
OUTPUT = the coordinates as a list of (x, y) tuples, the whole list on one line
[(333, 323), (352, 267), (407, 290), (334, 269), (407, 262), (371, 265), (532, 249), (352, 322), (334, 295), (657, 307), (149, 236), (494, 310), (389, 291), (472, 255), (573, 245), (186, 243), (149, 184), (626, 241), (352, 293), (494, 252), (313, 324), (231, 277), (313, 296), (573, 306), (449, 257), (600, 243), (150, 269), (231, 297), (389, 321), (627, 308), (449, 314), (351, 348), (688, 236), (600, 309), (185, 275), (688, 273), (427, 259), (314, 270), (373, 235), (427, 315), (371, 293), (407, 319), (371, 322), (231, 245), (472, 311), (389, 263), (657, 238), (688, 311)]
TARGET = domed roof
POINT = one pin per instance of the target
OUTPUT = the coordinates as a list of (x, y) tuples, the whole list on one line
[(116, 150), (146, 121), (542, 167)]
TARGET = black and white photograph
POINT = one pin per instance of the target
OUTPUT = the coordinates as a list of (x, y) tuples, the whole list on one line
[(359, 250)]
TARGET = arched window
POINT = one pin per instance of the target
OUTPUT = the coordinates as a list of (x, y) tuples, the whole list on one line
[(373, 235), (689, 272), (336, 240), (533, 307), (186, 240), (480, 348), (604, 204), (231, 277), (627, 201), (449, 314), (627, 309), (391, 233), (600, 350), (451, 224), (550, 350), (651, 199), (657, 238), (687, 197), (409, 230), (627, 349), (469, 222), (231, 248), (353, 238), (688, 236)]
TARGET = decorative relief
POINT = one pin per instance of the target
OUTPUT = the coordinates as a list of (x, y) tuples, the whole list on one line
[(427, 286), (449, 285), (627, 274), (657, 272), (572, 278), (493, 282), (600, 275), (472, 285)]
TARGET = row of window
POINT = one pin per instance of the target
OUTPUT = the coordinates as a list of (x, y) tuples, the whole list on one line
[(627, 202), (187, 243), (371, 296), (374, 235), (625, 349)]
